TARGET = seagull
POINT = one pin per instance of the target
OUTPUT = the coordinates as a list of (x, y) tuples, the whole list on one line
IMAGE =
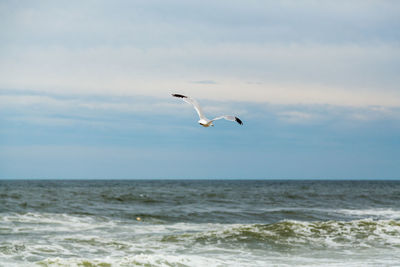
[(203, 120)]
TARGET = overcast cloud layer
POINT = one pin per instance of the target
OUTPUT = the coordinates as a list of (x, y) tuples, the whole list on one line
[(85, 89), (342, 52)]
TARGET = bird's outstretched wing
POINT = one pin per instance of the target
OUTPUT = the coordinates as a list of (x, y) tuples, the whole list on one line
[(193, 102), (229, 118)]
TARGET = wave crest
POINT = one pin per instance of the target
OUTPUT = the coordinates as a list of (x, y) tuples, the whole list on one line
[(292, 234)]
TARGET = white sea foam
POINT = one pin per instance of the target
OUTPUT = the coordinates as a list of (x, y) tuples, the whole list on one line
[(73, 240)]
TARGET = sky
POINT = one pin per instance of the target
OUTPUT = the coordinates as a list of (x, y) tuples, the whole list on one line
[(85, 89)]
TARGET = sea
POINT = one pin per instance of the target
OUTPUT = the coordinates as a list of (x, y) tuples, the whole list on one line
[(199, 223)]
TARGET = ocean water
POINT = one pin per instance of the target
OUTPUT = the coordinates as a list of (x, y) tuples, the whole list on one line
[(199, 223)]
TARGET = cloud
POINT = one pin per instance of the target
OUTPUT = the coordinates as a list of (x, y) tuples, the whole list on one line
[(156, 23), (338, 75), (291, 52), (297, 116), (205, 82), (16, 99), (52, 109)]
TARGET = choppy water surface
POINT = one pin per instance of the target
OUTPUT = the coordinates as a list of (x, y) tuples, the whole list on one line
[(199, 223)]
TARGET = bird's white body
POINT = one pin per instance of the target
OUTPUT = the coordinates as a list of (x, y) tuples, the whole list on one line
[(203, 120)]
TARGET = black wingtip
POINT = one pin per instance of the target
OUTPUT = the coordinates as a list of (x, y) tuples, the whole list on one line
[(238, 121), (178, 95)]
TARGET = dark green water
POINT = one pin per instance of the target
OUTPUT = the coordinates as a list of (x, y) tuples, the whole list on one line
[(199, 223)]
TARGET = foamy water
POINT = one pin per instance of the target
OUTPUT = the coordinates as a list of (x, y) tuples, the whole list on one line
[(218, 227)]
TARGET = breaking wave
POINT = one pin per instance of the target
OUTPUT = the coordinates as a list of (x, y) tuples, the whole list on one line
[(71, 240), (296, 234)]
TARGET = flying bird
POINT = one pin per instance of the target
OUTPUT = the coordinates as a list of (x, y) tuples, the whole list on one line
[(203, 120)]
